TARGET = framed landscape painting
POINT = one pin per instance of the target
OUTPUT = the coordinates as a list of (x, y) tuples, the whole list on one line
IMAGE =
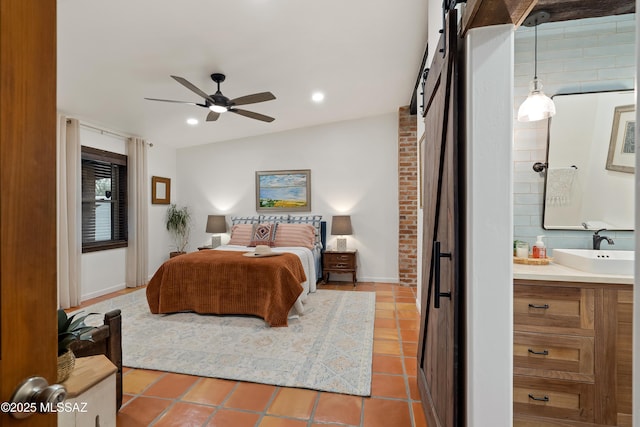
[(622, 147), (283, 191)]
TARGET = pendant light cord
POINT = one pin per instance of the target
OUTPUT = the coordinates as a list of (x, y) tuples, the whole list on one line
[(535, 51)]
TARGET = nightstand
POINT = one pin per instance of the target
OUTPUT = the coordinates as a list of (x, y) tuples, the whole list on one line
[(339, 262)]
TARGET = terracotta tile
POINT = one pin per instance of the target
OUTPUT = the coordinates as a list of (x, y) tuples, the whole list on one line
[(365, 287), (139, 379), (406, 306), (414, 393), (385, 413), (185, 415), (125, 370), (229, 417), (386, 347), (408, 314), (411, 366), (250, 396), (327, 425), (387, 364), (386, 314), (127, 398), (385, 298), (409, 324), (171, 386), (210, 391), (141, 411), (385, 306), (381, 322), (293, 402), (418, 415), (408, 300), (385, 286), (269, 421), (410, 348), (338, 408), (386, 334), (384, 293), (409, 335), (385, 385)]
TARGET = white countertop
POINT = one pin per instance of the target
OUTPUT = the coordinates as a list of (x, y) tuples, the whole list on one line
[(557, 272)]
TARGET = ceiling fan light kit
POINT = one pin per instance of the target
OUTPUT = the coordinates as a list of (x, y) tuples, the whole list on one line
[(218, 103)]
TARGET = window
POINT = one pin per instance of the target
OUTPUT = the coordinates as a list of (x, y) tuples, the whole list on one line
[(104, 200)]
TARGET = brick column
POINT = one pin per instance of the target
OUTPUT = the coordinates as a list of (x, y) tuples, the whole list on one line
[(407, 197)]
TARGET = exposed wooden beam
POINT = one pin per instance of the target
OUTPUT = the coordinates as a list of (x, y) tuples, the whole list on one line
[(482, 13)]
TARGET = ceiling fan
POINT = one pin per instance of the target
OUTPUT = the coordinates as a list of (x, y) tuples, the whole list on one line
[(218, 103)]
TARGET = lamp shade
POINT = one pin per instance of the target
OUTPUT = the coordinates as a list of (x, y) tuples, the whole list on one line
[(216, 224), (341, 225), (537, 106)]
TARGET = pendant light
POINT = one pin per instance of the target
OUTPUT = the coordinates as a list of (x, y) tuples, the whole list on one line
[(537, 106)]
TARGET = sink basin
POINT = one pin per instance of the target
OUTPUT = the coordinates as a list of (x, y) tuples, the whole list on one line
[(599, 262)]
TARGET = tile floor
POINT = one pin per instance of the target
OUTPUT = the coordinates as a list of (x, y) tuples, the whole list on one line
[(159, 399)]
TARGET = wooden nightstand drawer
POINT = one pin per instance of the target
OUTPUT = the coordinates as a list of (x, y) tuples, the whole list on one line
[(536, 308), (553, 356), (540, 397), (339, 262)]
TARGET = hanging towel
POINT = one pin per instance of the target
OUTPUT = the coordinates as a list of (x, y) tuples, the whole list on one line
[(559, 185)]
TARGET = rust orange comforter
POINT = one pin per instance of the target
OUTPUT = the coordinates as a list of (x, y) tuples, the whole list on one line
[(226, 282)]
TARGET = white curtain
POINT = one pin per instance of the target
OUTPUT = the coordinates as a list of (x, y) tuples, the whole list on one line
[(137, 251), (69, 212)]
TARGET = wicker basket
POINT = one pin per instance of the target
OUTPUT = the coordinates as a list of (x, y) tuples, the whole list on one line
[(66, 363)]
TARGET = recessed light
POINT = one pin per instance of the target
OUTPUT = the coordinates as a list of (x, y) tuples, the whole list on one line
[(317, 97), (192, 121)]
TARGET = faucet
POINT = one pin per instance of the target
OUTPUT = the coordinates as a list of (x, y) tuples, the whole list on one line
[(597, 239)]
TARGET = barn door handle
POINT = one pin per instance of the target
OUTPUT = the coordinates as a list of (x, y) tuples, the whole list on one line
[(436, 272)]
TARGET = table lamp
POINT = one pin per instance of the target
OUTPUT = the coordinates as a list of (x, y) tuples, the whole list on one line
[(216, 224), (341, 226)]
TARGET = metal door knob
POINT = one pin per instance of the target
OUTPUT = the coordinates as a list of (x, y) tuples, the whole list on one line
[(35, 395)]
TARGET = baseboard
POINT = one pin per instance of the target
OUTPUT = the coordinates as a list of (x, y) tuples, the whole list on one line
[(101, 292)]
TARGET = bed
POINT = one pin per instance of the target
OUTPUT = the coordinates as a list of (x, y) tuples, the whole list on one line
[(225, 281)]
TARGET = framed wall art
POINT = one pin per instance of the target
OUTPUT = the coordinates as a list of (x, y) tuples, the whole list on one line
[(283, 191), (622, 147), (160, 190)]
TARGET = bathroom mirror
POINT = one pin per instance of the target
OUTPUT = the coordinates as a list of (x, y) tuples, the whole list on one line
[(590, 162)]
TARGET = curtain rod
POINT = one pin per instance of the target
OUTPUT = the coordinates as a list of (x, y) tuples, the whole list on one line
[(107, 132)]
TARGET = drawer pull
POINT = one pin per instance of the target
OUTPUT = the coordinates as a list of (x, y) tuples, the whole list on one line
[(545, 306), (541, 353), (539, 399)]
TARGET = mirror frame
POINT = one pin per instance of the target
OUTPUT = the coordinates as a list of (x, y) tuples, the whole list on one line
[(545, 166), (156, 181)]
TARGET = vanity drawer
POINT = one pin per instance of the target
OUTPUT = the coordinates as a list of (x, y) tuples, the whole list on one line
[(553, 398), (553, 356), (538, 308)]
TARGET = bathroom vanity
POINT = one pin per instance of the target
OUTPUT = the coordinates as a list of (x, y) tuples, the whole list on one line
[(572, 352)]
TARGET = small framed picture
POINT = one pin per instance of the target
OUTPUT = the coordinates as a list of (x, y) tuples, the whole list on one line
[(160, 190), (622, 147)]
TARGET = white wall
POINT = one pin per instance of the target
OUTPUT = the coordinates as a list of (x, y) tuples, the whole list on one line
[(162, 163), (575, 56), (103, 271), (488, 278), (354, 170)]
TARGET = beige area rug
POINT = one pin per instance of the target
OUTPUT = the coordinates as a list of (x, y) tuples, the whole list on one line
[(329, 348)]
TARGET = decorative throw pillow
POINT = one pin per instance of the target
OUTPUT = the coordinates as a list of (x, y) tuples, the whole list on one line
[(241, 234), (263, 234), (295, 235)]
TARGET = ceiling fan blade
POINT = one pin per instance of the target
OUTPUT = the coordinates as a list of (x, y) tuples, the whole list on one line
[(184, 82), (177, 102), (212, 116), (252, 99), (252, 115)]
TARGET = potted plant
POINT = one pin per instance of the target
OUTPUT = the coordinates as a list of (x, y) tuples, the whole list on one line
[(70, 330), (179, 226)]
